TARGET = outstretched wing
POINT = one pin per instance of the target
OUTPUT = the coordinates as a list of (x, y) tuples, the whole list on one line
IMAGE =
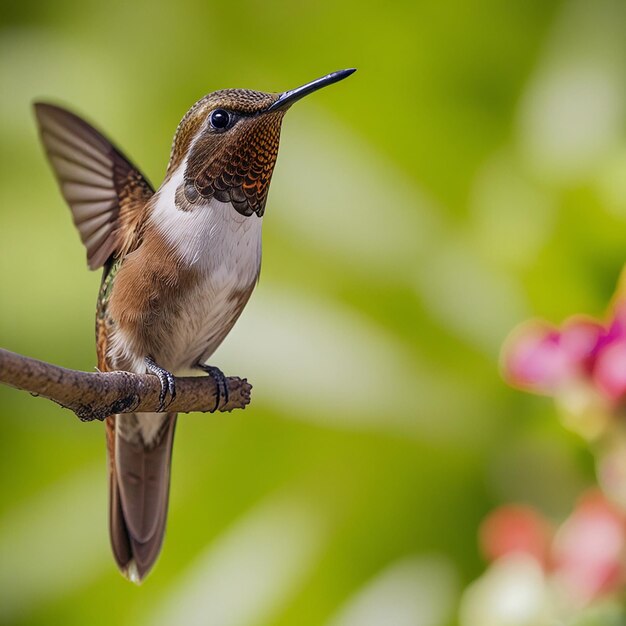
[(105, 191)]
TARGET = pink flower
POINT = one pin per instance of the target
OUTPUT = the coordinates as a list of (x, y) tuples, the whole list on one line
[(516, 529), (589, 549), (541, 358), (609, 372), (534, 359), (570, 570)]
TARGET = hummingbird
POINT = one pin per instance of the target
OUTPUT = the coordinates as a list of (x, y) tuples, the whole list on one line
[(179, 265)]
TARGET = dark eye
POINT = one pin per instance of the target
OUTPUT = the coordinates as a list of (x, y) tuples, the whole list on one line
[(220, 119)]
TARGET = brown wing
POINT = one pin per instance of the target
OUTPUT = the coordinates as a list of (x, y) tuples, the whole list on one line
[(105, 191)]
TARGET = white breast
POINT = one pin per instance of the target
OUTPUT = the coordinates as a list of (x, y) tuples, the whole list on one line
[(225, 247), (213, 236)]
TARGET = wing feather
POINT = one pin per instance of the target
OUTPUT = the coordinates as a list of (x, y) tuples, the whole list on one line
[(91, 226), (78, 173), (106, 193), (66, 130), (88, 210), (65, 149)]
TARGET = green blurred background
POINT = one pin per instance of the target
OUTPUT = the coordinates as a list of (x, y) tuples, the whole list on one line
[(471, 174)]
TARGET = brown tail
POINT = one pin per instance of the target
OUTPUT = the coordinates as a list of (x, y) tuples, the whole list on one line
[(139, 480)]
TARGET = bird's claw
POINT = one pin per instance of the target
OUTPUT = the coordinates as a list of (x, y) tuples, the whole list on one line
[(168, 383), (220, 381)]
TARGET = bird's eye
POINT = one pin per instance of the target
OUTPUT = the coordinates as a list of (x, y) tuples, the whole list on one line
[(220, 119)]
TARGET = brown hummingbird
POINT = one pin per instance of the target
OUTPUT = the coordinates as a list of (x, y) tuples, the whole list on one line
[(179, 267)]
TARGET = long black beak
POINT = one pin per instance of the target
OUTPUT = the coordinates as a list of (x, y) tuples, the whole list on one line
[(287, 98)]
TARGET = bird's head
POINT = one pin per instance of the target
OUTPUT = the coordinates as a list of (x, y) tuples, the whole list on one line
[(227, 144)]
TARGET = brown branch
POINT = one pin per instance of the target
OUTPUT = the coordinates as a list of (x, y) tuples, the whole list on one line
[(96, 395)]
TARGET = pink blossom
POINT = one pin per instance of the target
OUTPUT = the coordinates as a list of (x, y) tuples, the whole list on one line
[(534, 359), (545, 359), (609, 372), (580, 564), (516, 529), (588, 550)]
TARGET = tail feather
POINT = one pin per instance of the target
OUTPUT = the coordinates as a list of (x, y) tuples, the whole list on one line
[(139, 493), (120, 540)]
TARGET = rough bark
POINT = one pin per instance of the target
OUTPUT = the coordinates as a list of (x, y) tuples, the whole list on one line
[(98, 394)]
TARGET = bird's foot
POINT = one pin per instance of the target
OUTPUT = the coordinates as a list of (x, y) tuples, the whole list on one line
[(168, 384), (220, 381)]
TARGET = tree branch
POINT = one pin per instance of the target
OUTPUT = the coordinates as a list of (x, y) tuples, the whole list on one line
[(97, 395)]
